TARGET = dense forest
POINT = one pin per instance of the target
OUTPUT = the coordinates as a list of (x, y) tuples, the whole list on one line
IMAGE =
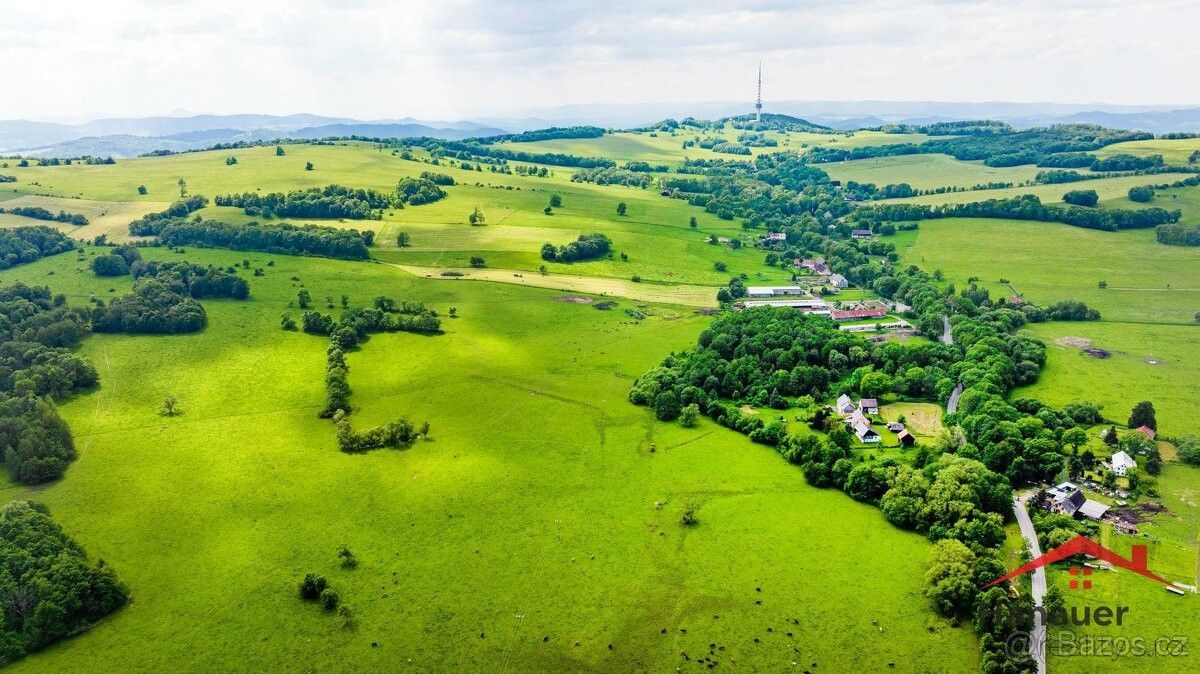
[(51, 589), (22, 245)]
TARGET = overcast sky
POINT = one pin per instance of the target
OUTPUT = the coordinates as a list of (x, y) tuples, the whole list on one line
[(451, 59)]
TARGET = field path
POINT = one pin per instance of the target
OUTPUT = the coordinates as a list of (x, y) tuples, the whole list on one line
[(1037, 638), (687, 295)]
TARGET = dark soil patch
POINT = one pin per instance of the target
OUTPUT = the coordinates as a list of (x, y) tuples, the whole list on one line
[(573, 299), (1097, 353)]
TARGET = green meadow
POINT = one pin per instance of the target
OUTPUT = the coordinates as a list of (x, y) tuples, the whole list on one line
[(1111, 190), (1174, 151), (538, 528), (927, 171)]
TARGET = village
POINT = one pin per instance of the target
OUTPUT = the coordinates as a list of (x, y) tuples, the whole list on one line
[(814, 283)]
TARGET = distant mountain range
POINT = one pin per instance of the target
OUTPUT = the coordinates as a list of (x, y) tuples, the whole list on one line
[(131, 136)]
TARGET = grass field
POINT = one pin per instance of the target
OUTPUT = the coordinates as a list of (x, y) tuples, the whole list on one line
[(1113, 190), (1175, 152), (104, 217), (1126, 377), (926, 171), (524, 535), (1046, 262)]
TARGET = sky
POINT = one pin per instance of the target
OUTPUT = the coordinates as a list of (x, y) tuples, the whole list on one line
[(454, 59)]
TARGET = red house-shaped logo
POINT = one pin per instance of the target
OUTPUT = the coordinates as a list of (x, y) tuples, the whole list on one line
[(1086, 546)]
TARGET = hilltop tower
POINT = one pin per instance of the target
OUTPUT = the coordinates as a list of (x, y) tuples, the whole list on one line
[(758, 101)]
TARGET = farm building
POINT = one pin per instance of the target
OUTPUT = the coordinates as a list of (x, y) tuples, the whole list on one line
[(774, 291), (869, 406), (818, 307), (865, 433), (906, 438), (1122, 462), (1150, 433), (861, 234), (775, 236), (844, 405), (857, 314), (895, 426), (1068, 499), (839, 281)]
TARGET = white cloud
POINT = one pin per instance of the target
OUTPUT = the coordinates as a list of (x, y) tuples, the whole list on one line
[(469, 57)]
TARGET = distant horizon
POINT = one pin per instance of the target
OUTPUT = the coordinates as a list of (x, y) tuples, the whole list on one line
[(530, 113)]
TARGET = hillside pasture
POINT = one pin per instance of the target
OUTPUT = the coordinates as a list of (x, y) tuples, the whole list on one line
[(1175, 152), (110, 218), (1047, 262), (1159, 363), (925, 171), (1109, 189), (539, 525)]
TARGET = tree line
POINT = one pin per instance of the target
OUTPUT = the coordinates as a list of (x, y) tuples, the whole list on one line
[(1024, 207), (163, 300), (39, 213), (281, 238), (612, 176), (551, 133), (1004, 147), (331, 201)]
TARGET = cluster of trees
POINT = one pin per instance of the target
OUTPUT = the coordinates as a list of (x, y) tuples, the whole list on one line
[(52, 590), (645, 167), (612, 176), (117, 262), (722, 146), (1081, 198), (196, 281), (1025, 207), (418, 191), (282, 238), (754, 139), (157, 305), (438, 178), (331, 201), (39, 213), (152, 223), (470, 149), (586, 247), (1175, 234), (38, 366), (1003, 147), (1127, 162), (398, 433), (550, 133), (22, 245), (872, 191)]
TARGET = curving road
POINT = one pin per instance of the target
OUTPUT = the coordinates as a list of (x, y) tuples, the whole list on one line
[(1038, 636), (948, 338), (947, 333)]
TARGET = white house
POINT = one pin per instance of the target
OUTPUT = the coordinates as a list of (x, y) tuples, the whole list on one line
[(865, 433), (1122, 462), (845, 405), (839, 281)]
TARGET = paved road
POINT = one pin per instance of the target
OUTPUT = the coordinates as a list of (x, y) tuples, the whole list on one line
[(1038, 637), (952, 403), (947, 333)]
